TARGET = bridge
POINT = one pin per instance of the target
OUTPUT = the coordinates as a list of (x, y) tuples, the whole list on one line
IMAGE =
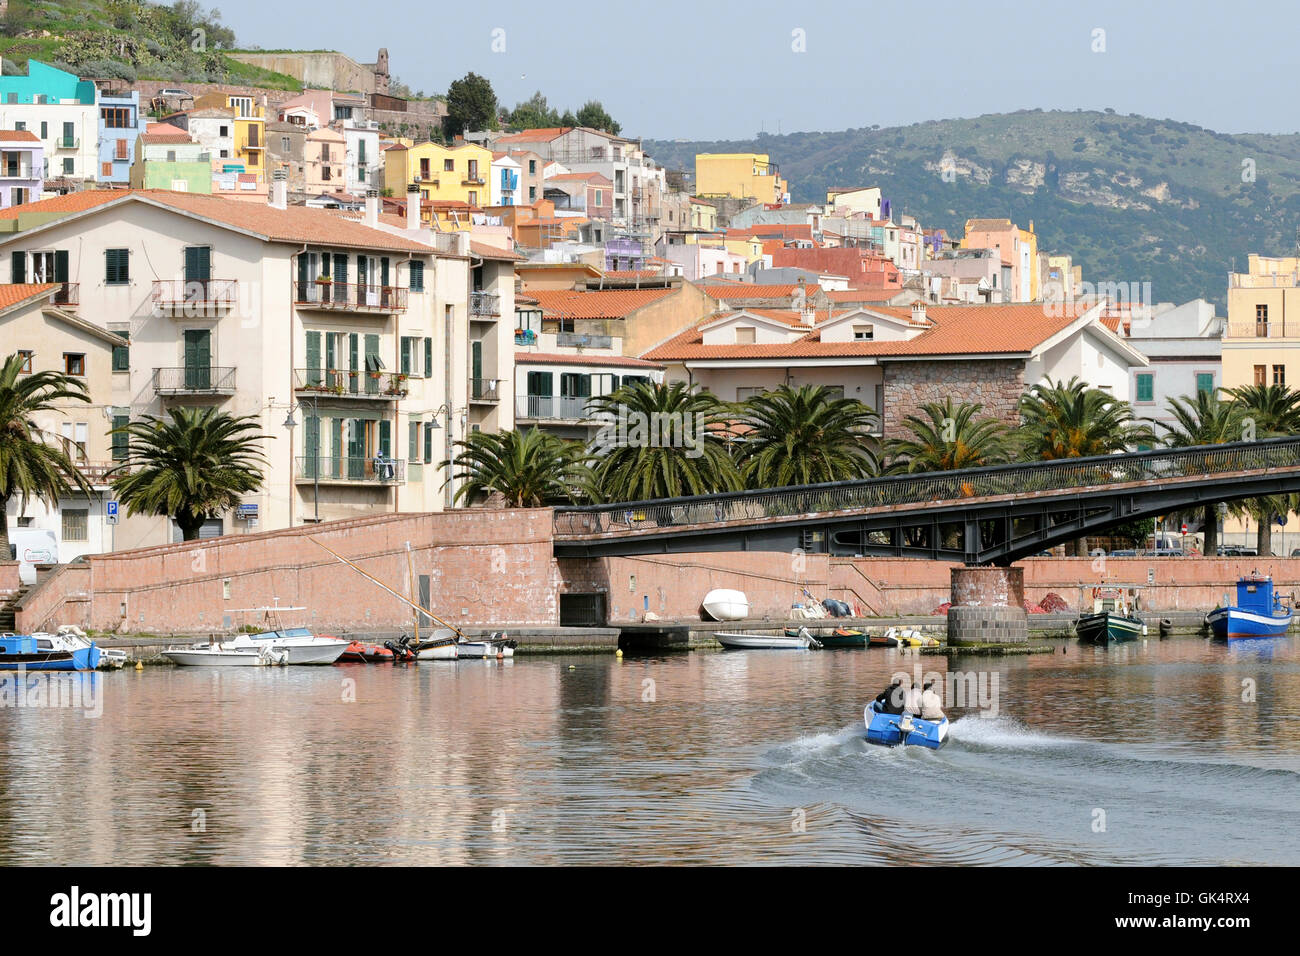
[(993, 515)]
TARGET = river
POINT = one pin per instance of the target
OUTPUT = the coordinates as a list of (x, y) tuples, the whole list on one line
[(1176, 751)]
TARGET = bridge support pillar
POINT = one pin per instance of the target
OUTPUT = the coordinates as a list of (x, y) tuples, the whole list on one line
[(988, 606)]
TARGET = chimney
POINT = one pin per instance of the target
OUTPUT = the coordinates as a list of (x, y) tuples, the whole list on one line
[(279, 198), (918, 313), (372, 207), (412, 206)]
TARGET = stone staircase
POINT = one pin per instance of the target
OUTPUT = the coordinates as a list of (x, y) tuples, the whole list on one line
[(7, 609)]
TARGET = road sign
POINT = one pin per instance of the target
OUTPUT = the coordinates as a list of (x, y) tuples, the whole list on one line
[(1184, 528), (110, 512)]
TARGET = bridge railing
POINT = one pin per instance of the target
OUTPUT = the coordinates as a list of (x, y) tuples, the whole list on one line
[(998, 480)]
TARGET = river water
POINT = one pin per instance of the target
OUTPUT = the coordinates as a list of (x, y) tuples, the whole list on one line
[(1177, 751)]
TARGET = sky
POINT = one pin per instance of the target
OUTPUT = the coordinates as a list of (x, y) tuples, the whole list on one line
[(668, 69)]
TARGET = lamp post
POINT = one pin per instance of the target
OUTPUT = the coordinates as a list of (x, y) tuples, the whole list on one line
[(448, 410), (290, 424)]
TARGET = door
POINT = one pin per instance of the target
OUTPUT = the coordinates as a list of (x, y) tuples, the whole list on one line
[(198, 359), (373, 365), (356, 448), (540, 392), (476, 369), (368, 280)]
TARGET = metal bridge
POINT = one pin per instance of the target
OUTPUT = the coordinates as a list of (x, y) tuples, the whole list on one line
[(993, 515)]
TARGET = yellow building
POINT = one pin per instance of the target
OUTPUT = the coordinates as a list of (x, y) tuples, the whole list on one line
[(704, 215), (740, 176), (249, 133), (443, 173)]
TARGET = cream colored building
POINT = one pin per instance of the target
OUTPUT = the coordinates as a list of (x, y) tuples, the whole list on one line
[(740, 176)]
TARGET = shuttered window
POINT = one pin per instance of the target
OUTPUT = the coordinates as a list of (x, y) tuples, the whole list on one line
[(417, 276), (120, 440), (1145, 387), (122, 355), (117, 267), (413, 441), (19, 260), (428, 357), (408, 344)]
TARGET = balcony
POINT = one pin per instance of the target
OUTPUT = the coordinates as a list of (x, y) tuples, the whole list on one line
[(525, 336), (98, 472), (550, 408), (14, 171), (194, 297), (427, 180), (1264, 330), (349, 297), (67, 142), (345, 383), (67, 294), (364, 471), (484, 303), (471, 180), (484, 390), (581, 340), (194, 380)]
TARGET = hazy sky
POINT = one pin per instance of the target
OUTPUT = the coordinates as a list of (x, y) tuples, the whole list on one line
[(692, 70)]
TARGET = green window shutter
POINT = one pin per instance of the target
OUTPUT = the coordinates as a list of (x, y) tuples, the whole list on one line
[(311, 446), (337, 446), (372, 363), (383, 270), (61, 265), (413, 441), (303, 278), (313, 359), (1205, 382), (354, 342), (428, 443), (198, 264), (19, 260), (1145, 387), (361, 270), (121, 440), (117, 267), (406, 355), (541, 383), (386, 437), (330, 359), (340, 268), (122, 355), (417, 276), (428, 357)]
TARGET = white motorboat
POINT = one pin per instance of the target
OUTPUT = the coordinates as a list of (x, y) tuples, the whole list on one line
[(483, 649), (226, 655), (110, 659), (733, 640), (723, 604), (302, 646)]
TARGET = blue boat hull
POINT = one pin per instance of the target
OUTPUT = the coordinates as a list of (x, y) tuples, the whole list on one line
[(1237, 624), (890, 730), (83, 659)]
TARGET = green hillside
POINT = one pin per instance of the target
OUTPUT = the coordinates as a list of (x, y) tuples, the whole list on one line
[(1133, 199), (129, 40)]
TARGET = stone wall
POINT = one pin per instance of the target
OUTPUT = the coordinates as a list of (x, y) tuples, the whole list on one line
[(325, 70), (997, 384)]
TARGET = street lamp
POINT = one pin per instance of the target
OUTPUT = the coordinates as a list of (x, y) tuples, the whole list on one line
[(447, 410), (290, 424)]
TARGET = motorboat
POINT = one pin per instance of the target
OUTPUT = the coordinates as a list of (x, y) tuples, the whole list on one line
[(733, 640), (832, 637), (498, 645), (1260, 612), (723, 604), (302, 646), (110, 659), (361, 652), (902, 637), (41, 651), (227, 655), (1114, 616), (890, 730)]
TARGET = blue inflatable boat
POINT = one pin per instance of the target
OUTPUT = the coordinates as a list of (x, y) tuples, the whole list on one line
[(890, 730)]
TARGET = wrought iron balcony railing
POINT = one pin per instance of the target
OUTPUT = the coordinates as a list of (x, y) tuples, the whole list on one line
[(349, 296), (484, 390), (372, 470), (194, 380), (1247, 329), (67, 294), (346, 383), (551, 408), (484, 303), (190, 296)]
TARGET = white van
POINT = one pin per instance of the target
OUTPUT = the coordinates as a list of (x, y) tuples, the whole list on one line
[(30, 547)]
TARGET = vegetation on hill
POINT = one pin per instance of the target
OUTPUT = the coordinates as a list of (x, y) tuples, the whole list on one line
[(534, 113), (1133, 199)]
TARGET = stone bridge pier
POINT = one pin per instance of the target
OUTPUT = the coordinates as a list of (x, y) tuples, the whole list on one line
[(988, 606)]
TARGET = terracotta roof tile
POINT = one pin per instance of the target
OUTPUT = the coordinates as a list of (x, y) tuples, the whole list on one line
[(12, 294), (18, 136), (586, 358), (67, 203), (543, 135), (753, 290), (485, 251), (597, 304)]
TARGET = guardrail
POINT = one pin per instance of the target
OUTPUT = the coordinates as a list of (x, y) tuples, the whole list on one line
[(344, 383), (484, 303), (484, 390), (193, 380), (1263, 330), (350, 296), (386, 471), (552, 408), (928, 488), (187, 293)]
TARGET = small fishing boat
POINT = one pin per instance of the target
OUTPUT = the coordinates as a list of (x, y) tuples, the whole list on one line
[(832, 637), (723, 604), (498, 645), (110, 659), (360, 652), (890, 730), (1259, 612), (1114, 616), (225, 655), (40, 651), (902, 637), (733, 640)]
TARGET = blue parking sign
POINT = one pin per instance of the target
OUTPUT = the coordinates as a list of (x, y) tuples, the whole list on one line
[(111, 508)]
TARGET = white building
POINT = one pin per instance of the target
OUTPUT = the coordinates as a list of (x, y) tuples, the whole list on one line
[(1184, 345)]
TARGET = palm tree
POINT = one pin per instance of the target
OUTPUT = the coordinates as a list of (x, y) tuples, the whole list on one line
[(1204, 420), (189, 466), (804, 436), (662, 441), (528, 468), (948, 436), (33, 463), (1267, 411)]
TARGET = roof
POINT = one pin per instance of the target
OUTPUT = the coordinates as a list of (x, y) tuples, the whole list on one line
[(861, 295), (597, 303), (12, 294), (67, 203), (630, 274), (588, 176), (955, 330), (988, 225), (485, 251), (543, 135), (586, 358), (752, 290), (165, 133), (18, 136)]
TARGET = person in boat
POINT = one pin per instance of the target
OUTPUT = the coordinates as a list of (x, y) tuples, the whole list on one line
[(912, 701), (891, 698), (931, 704)]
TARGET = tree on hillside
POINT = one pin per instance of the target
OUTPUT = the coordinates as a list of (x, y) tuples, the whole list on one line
[(471, 105), (594, 116), (533, 113)]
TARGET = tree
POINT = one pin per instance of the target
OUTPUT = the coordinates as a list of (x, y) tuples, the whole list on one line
[(593, 115), (528, 468), (1204, 420), (533, 113), (471, 105), (947, 436), (805, 436), (568, 119), (670, 444), (190, 466), (1267, 411), (34, 463)]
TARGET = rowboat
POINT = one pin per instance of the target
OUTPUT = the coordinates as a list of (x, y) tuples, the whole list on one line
[(1260, 612), (723, 604), (733, 640), (1113, 618)]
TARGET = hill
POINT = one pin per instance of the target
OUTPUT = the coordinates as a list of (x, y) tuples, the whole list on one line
[(1133, 199)]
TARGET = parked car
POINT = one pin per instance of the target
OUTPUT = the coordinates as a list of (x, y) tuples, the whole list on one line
[(1235, 552), (175, 94), (1124, 553)]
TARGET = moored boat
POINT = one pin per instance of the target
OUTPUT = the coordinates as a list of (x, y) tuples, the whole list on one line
[(902, 637), (225, 655), (40, 651), (890, 730), (1114, 617), (724, 604), (734, 640), (299, 643), (1260, 612), (832, 637)]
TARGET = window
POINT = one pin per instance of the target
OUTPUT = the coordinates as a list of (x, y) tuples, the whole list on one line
[(532, 194), (473, 197), (745, 335), (122, 355), (45, 129), (285, 146), (1205, 382), (68, 167), (410, 355), (417, 277), (20, 126), (532, 167), (117, 267), (120, 440), (171, 155), (448, 165), (242, 105), (76, 524), (225, 154), (74, 439), (600, 197), (223, 131), (473, 169), (119, 149), (1261, 321), (325, 152), (74, 363), (26, 356), (746, 392), (106, 169), (1261, 375), (863, 333), (1146, 387), (325, 174), (413, 441), (1279, 374)]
